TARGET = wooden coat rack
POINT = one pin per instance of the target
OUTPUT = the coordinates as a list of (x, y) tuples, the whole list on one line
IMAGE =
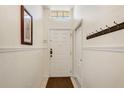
[(114, 28)]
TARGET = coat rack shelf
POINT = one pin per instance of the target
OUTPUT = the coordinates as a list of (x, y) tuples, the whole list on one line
[(114, 28)]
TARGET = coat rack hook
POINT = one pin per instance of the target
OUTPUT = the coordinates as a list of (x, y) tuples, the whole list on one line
[(115, 23), (101, 28), (107, 26)]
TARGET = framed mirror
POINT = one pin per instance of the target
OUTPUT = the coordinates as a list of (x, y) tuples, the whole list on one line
[(26, 27)]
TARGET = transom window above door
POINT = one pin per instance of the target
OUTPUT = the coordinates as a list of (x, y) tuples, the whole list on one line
[(60, 14)]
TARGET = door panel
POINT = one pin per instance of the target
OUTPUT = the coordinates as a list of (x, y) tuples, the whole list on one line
[(61, 60)]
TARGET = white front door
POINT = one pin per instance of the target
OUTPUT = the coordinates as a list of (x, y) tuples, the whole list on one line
[(60, 56)]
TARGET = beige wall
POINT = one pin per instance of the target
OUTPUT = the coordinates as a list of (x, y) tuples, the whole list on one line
[(21, 65), (102, 56)]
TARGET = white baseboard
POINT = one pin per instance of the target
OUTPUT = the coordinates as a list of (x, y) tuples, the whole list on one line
[(44, 82), (75, 83)]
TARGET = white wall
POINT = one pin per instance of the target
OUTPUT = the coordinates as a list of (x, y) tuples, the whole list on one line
[(102, 56), (21, 65)]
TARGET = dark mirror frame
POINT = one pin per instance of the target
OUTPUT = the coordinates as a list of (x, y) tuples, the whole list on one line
[(22, 26)]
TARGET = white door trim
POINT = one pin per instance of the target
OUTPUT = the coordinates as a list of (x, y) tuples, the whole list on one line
[(74, 50)]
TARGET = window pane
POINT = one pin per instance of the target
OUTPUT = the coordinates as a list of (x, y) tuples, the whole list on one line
[(66, 13), (60, 13), (53, 14)]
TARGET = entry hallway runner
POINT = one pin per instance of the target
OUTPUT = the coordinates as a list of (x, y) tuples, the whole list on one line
[(59, 82)]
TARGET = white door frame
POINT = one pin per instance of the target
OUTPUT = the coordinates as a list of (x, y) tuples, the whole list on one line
[(70, 47), (74, 50)]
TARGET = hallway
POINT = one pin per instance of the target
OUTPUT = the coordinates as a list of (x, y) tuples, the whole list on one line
[(61, 46)]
